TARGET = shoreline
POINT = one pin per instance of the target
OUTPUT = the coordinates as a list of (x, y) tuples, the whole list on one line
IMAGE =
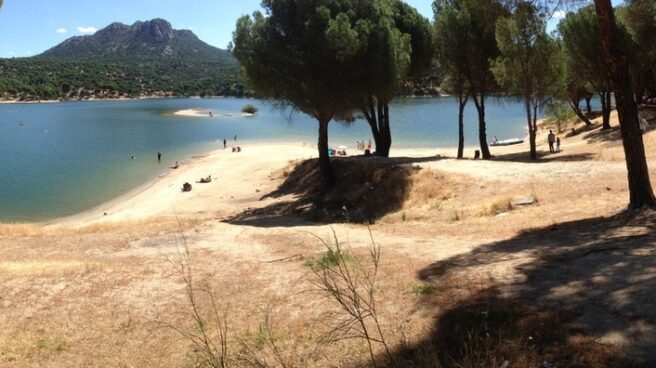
[(158, 194), (162, 195), (158, 97), (150, 97), (119, 208)]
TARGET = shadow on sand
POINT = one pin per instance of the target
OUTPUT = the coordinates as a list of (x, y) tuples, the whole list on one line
[(366, 189), (544, 157), (576, 294)]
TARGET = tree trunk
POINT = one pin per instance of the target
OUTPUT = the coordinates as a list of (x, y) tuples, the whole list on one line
[(588, 106), (531, 132), (575, 106), (482, 135), (377, 116), (609, 109), (639, 83), (383, 147), (324, 158), (462, 102), (640, 191), (604, 96)]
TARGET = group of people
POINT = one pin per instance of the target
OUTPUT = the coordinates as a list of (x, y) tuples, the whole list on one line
[(225, 142), (552, 139), (186, 187)]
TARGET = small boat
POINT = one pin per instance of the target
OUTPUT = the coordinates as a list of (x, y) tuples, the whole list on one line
[(507, 142)]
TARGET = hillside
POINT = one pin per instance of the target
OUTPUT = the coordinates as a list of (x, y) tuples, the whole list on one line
[(154, 39), (144, 59)]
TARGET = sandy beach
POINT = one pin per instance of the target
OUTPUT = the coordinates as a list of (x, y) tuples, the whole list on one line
[(455, 235), (242, 177), (236, 176)]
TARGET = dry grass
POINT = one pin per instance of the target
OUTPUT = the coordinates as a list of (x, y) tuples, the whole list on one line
[(50, 267), (35, 229), (497, 205), (18, 229)]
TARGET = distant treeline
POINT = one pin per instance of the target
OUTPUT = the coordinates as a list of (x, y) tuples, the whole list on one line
[(29, 79)]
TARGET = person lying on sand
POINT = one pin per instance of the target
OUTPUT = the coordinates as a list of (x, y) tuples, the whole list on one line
[(208, 179), (177, 165)]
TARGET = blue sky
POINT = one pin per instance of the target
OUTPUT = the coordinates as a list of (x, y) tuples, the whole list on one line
[(29, 27)]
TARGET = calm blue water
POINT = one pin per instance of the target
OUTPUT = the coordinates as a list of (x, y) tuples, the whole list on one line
[(61, 159)]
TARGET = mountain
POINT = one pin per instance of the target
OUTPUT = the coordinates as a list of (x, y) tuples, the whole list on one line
[(154, 39), (143, 59)]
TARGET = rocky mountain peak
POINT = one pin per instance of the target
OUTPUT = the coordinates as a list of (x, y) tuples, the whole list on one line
[(115, 27), (152, 39), (158, 30)]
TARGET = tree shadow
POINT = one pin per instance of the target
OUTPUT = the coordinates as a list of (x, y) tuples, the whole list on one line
[(544, 156), (604, 135), (366, 189), (576, 294)]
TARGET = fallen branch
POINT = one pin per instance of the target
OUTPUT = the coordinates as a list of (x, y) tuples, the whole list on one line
[(299, 256)]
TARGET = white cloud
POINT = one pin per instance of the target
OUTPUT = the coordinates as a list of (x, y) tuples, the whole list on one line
[(87, 30), (559, 14), (61, 30)]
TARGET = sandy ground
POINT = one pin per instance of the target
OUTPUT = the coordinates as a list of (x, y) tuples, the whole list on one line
[(196, 112), (104, 290), (204, 113), (238, 177)]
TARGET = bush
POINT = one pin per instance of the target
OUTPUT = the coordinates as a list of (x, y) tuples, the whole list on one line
[(249, 109), (559, 114), (423, 289)]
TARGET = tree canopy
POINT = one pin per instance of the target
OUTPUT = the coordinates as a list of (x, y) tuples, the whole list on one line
[(305, 52), (475, 22), (526, 63), (328, 58), (399, 46), (581, 43), (450, 48)]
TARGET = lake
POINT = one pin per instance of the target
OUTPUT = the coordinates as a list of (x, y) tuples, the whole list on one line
[(63, 158)]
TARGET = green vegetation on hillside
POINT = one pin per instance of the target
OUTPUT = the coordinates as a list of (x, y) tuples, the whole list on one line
[(147, 58), (46, 79)]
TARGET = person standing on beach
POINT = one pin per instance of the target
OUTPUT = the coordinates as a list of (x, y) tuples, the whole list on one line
[(551, 138), (558, 144), (225, 144), (235, 137), (159, 156)]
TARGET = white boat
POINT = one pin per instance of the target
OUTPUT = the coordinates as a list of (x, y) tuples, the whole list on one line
[(507, 142)]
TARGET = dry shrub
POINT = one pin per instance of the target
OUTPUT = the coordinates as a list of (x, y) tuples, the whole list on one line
[(496, 206), (428, 186)]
